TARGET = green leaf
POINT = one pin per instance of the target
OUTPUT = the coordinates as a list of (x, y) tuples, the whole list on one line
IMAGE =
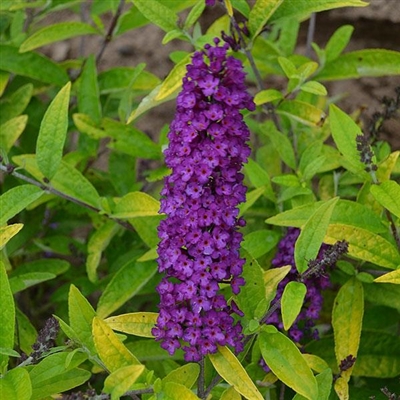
[(31, 65), (315, 363), (87, 126), (7, 326), (176, 391), (110, 349), (81, 315), (364, 245), (52, 133), (147, 229), (252, 294), (386, 294), (50, 376), (288, 364), (88, 91), (260, 14), (24, 281), (67, 180), (282, 145), (232, 371), (8, 232), (260, 242), (53, 266), (345, 212), (16, 384), (344, 132), (266, 96), (347, 315), (121, 380), (26, 332), (158, 13), (259, 178), (55, 33), (16, 199), (138, 324), (194, 14), (303, 8), (312, 235), (291, 302), (129, 140), (4, 77), (136, 204), (314, 87), (324, 381), (302, 112), (186, 375), (173, 82), (125, 284), (98, 242), (361, 63), (11, 130), (391, 277), (288, 68), (387, 194), (14, 104), (338, 42)]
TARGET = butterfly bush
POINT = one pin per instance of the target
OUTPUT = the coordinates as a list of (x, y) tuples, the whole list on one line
[(199, 239)]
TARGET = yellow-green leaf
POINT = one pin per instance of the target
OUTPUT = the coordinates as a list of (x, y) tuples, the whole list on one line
[(324, 381), (272, 277), (138, 324), (11, 130), (158, 13), (16, 385), (173, 81), (176, 391), (315, 363), (186, 375), (7, 232), (302, 112), (52, 133), (120, 381), (81, 315), (312, 234), (7, 325), (109, 348), (364, 245), (260, 14), (232, 371), (98, 242), (56, 32), (388, 195), (347, 315), (302, 8), (360, 63), (16, 199), (287, 363), (391, 277), (344, 132), (291, 302), (230, 394), (136, 204), (266, 96)]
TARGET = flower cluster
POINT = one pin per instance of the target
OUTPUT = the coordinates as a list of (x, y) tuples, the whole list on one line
[(199, 239), (315, 284)]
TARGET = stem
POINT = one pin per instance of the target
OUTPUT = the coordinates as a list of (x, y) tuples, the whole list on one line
[(310, 34), (109, 34), (393, 227), (212, 384), (200, 381), (10, 169), (259, 81)]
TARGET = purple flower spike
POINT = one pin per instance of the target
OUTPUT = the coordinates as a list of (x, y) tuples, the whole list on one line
[(199, 239)]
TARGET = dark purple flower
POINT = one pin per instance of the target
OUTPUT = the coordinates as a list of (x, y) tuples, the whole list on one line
[(199, 242)]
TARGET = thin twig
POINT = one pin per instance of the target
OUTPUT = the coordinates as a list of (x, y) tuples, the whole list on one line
[(109, 34), (200, 381), (270, 109), (393, 228), (10, 169), (212, 384), (310, 34)]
